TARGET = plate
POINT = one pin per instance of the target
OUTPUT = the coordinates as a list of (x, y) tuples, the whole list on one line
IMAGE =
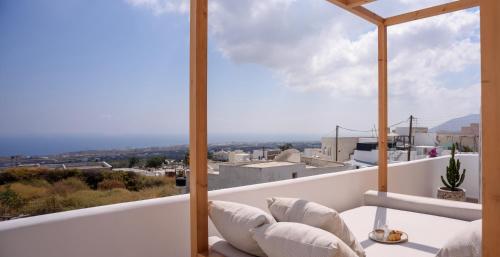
[(404, 238)]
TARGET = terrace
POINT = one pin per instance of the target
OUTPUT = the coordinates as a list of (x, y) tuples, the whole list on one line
[(160, 227), (179, 225)]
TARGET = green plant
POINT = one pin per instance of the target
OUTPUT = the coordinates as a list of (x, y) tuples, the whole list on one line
[(133, 161), (92, 178), (10, 199), (453, 177), (286, 146), (155, 162), (467, 149)]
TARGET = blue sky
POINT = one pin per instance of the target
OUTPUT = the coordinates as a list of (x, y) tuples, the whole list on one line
[(275, 67)]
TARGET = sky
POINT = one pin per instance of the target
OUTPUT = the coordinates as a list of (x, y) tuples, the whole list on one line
[(121, 67)]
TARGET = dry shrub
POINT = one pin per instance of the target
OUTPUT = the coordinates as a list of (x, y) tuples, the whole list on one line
[(28, 192), (109, 184), (155, 192), (37, 183), (41, 191), (26, 174), (118, 195), (91, 198), (69, 185), (82, 199), (44, 205)]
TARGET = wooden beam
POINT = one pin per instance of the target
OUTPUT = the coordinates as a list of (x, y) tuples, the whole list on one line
[(431, 11), (382, 108), (490, 118), (198, 128), (359, 11), (354, 3)]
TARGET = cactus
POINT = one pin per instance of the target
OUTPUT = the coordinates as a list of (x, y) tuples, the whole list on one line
[(453, 177)]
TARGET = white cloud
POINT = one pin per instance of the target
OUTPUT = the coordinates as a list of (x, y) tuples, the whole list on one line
[(162, 6), (313, 49), (315, 46)]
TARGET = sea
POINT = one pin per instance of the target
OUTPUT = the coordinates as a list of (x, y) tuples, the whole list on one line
[(39, 145), (56, 144)]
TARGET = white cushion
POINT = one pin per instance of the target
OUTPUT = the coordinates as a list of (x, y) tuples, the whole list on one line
[(316, 215), (234, 222), (299, 240), (466, 243), (225, 249), (427, 233), (427, 205)]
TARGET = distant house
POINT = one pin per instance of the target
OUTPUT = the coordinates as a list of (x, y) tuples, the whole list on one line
[(233, 175), (468, 136), (239, 156), (265, 154), (221, 156), (346, 147)]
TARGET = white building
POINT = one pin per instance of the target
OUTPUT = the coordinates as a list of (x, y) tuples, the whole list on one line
[(238, 156), (404, 131), (313, 152), (467, 137), (233, 175), (345, 149), (265, 154), (221, 156), (290, 155), (425, 139)]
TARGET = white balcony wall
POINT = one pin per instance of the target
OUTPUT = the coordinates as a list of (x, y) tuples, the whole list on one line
[(160, 227)]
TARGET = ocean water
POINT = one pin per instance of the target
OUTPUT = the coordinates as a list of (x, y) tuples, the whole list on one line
[(46, 145), (56, 144)]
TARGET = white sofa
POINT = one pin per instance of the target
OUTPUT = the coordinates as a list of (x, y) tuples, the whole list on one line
[(428, 222)]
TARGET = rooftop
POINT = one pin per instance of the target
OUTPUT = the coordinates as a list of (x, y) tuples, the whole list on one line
[(269, 164)]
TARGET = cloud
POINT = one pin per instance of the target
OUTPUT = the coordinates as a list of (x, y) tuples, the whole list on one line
[(315, 46), (159, 7)]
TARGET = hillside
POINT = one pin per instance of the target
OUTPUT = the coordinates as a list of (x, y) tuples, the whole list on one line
[(454, 125)]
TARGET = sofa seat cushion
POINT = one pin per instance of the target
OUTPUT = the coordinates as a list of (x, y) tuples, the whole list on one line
[(290, 239), (220, 247), (467, 243), (427, 233)]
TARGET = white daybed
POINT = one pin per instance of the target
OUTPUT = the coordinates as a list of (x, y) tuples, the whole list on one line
[(428, 222)]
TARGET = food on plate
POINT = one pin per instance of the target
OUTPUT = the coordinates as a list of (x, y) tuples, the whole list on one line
[(394, 235)]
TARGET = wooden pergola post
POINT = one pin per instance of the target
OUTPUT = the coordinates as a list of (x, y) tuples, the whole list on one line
[(490, 117), (382, 108), (198, 128)]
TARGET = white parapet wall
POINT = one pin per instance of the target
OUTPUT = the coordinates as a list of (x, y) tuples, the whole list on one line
[(160, 227)]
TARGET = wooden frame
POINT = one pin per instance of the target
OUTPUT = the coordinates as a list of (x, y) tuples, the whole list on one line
[(490, 109), (490, 117), (382, 108), (431, 11), (359, 11), (198, 178)]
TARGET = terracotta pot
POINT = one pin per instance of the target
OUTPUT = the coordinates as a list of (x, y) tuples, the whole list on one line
[(447, 194)]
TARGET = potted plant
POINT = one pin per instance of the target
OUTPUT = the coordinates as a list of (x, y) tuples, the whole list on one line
[(433, 153), (451, 189)]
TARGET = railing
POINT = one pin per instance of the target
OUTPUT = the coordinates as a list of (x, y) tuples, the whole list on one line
[(160, 227)]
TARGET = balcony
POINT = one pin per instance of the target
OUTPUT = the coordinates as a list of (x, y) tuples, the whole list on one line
[(161, 227)]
